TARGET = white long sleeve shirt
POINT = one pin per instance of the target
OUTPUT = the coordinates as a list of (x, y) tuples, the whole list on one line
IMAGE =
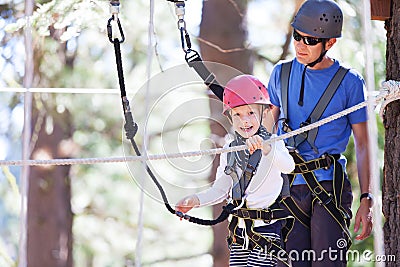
[(265, 185)]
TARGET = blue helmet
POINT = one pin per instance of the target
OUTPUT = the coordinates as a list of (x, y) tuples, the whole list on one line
[(319, 18)]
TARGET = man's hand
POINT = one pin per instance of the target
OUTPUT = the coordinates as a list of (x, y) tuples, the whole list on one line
[(364, 217)]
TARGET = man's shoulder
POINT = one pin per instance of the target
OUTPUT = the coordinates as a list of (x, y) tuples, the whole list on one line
[(353, 73)]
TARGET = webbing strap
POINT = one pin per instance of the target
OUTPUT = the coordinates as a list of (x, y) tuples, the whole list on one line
[(266, 215), (296, 211), (285, 76), (240, 184), (209, 79)]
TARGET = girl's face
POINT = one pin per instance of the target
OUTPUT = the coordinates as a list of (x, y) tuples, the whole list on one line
[(246, 119)]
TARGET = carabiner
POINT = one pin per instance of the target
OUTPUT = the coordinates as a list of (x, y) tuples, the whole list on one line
[(110, 30)]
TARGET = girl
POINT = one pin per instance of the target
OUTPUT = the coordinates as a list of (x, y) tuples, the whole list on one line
[(250, 178)]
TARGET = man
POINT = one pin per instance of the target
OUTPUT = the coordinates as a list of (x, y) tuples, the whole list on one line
[(319, 186)]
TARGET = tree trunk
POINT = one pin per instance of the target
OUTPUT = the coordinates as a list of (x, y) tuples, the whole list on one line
[(49, 239), (391, 182), (223, 25)]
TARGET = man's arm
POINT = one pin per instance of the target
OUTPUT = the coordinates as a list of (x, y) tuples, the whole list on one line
[(364, 212)]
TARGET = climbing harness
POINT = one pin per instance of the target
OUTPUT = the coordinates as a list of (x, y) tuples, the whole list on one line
[(250, 238), (305, 168), (331, 203)]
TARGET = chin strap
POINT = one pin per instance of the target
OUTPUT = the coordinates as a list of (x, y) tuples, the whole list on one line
[(312, 64)]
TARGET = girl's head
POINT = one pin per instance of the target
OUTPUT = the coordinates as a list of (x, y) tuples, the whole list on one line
[(245, 99)]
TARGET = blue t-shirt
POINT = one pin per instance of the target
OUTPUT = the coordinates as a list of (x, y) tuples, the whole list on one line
[(332, 137)]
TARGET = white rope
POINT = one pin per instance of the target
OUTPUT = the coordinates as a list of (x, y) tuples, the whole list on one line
[(83, 161), (393, 87), (139, 241), (61, 90)]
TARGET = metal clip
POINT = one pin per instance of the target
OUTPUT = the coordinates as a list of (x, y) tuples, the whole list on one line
[(114, 7), (113, 36), (180, 9), (241, 203), (328, 159)]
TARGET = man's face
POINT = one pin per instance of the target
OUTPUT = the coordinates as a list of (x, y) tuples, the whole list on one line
[(306, 54)]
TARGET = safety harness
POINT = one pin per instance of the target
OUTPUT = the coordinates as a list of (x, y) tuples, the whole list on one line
[(332, 203), (318, 110), (249, 238)]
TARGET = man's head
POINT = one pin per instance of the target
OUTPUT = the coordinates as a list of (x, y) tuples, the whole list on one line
[(316, 26), (319, 18), (245, 98)]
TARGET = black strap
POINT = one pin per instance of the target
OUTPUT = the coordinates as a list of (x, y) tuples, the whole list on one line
[(324, 162), (285, 77), (266, 215), (194, 60), (296, 211)]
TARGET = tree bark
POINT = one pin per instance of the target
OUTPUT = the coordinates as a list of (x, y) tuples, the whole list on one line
[(223, 25), (391, 182), (49, 239)]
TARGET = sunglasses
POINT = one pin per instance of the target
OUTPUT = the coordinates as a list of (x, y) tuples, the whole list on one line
[(308, 40)]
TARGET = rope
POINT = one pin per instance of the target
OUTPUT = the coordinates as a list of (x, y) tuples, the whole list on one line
[(387, 94), (139, 241), (393, 89), (64, 90)]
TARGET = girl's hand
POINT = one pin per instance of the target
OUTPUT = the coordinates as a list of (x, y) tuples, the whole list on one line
[(256, 142), (187, 203)]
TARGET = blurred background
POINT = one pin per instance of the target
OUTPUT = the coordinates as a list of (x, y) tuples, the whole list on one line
[(109, 214)]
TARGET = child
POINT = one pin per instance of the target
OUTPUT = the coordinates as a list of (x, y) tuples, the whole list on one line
[(251, 178)]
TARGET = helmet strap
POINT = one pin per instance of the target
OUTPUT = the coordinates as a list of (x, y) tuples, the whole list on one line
[(312, 64)]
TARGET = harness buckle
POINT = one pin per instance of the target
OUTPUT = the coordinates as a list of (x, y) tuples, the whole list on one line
[(303, 124), (292, 149), (246, 214), (327, 201), (303, 167), (328, 160), (285, 127), (317, 190), (228, 170), (271, 216)]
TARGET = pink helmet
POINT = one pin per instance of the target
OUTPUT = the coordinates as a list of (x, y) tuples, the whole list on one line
[(244, 90)]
